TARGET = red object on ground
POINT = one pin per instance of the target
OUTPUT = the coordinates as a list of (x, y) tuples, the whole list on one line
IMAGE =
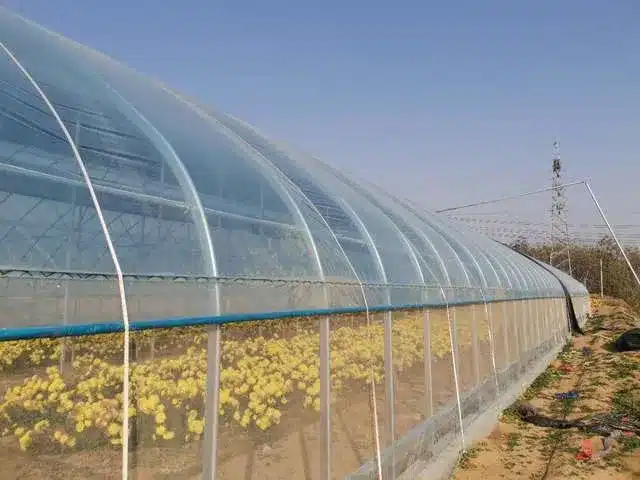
[(566, 368), (586, 452)]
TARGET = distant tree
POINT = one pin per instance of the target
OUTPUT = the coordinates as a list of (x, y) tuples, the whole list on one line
[(521, 245), (585, 265)]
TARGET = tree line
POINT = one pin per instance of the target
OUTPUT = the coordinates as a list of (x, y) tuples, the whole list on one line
[(617, 279)]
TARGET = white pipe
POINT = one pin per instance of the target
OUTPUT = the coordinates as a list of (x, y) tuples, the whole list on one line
[(613, 234), (112, 252)]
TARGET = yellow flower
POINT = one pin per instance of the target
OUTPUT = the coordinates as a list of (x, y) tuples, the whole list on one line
[(25, 441)]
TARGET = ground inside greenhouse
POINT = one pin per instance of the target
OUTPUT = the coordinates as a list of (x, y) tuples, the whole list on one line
[(604, 379)]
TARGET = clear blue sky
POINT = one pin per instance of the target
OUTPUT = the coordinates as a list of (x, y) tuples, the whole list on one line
[(442, 102)]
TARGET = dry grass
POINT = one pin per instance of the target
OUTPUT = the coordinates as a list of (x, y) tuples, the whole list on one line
[(606, 381)]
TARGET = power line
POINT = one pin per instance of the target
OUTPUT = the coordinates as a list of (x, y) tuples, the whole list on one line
[(511, 197)]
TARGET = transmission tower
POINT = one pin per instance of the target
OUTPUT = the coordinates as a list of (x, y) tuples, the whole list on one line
[(560, 256)]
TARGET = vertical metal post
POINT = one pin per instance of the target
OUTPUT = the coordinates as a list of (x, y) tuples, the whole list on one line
[(65, 355), (559, 320), (531, 324), (212, 397), (517, 328), (390, 390), (428, 378), (524, 331), (454, 326), (492, 344), (565, 315), (538, 321), (552, 323), (475, 349), (325, 399), (505, 334), (560, 323), (547, 319), (517, 332), (526, 312), (555, 319), (536, 324), (601, 280), (454, 361), (498, 331)]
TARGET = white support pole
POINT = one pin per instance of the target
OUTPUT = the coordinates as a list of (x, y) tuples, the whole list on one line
[(454, 364), (428, 376), (601, 280), (212, 402), (389, 391), (613, 234), (475, 347), (325, 397), (112, 252)]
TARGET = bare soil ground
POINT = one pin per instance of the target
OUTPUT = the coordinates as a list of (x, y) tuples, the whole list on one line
[(605, 380)]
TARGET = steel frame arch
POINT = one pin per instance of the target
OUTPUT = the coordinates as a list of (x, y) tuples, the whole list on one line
[(420, 226), (268, 170), (172, 159), (110, 246)]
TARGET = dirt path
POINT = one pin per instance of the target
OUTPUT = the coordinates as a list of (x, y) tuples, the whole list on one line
[(606, 382)]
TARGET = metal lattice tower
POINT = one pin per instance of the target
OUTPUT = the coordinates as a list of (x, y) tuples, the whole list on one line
[(560, 255)]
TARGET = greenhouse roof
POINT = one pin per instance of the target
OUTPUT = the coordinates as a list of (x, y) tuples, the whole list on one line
[(187, 191)]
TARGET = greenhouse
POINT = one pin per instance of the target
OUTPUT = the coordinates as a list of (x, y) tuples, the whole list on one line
[(281, 320)]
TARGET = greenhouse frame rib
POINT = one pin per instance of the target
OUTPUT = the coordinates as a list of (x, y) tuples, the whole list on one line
[(109, 178)]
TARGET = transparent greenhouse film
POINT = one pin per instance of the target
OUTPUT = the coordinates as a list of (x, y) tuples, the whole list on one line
[(50, 233), (473, 358), (443, 427), (161, 299), (526, 334), (166, 405), (58, 418), (545, 326), (211, 222), (270, 400), (58, 276), (520, 334), (360, 421), (168, 376), (412, 386), (79, 431), (487, 356), (500, 335), (531, 332), (515, 310)]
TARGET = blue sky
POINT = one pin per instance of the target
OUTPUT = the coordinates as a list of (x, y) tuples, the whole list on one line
[(441, 102)]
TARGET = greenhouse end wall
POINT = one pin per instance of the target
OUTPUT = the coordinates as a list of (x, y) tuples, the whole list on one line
[(282, 319)]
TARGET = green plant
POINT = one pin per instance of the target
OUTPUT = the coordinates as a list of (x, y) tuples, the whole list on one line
[(513, 440), (467, 456)]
